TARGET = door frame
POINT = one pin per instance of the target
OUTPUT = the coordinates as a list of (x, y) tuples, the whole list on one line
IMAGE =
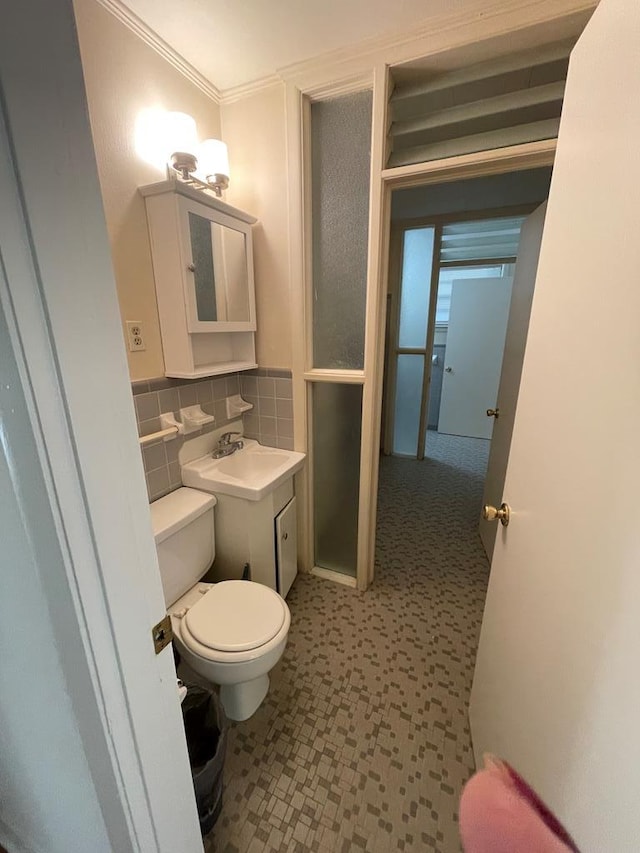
[(298, 113), (59, 297), (515, 158), (396, 254)]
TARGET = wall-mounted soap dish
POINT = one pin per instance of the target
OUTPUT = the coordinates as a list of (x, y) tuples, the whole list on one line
[(191, 419), (237, 406), (168, 420)]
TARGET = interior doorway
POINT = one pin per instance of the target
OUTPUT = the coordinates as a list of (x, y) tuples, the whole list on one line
[(450, 298), (451, 272)]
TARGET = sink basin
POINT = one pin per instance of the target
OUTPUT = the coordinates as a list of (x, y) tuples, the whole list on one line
[(248, 464), (250, 473)]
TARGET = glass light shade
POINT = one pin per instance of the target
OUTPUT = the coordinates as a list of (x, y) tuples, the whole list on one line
[(213, 158), (160, 133), (180, 133)]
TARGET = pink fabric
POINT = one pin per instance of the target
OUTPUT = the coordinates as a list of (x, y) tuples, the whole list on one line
[(500, 813)]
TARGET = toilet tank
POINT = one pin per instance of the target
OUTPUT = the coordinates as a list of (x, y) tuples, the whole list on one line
[(185, 540)]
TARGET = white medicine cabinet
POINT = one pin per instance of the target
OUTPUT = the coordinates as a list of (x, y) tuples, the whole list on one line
[(202, 255)]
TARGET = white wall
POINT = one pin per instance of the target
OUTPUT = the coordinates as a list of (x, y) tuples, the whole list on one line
[(255, 132), (124, 76)]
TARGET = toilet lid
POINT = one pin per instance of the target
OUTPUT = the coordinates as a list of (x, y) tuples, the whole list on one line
[(236, 616)]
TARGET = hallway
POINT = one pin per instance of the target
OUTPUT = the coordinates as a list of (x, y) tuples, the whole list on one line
[(363, 740)]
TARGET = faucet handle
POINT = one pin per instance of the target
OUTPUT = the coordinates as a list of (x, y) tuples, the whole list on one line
[(226, 437)]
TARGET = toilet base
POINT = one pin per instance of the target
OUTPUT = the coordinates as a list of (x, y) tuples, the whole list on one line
[(241, 701)]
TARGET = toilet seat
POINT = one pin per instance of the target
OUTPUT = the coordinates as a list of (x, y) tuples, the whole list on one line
[(235, 621)]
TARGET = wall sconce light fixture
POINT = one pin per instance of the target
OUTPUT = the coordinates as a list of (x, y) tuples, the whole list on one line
[(170, 139), (204, 166)]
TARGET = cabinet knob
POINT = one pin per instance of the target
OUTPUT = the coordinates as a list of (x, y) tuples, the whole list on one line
[(285, 535), (191, 267)]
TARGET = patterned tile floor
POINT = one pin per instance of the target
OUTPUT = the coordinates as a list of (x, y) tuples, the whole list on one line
[(363, 741)]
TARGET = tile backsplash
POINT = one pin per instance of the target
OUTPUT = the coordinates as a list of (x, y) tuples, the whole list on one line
[(270, 421)]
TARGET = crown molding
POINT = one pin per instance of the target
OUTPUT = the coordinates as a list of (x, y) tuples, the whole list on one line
[(245, 90), (436, 34), (349, 69), (334, 88), (161, 47)]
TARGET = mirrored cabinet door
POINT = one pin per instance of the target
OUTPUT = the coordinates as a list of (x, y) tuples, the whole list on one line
[(220, 272)]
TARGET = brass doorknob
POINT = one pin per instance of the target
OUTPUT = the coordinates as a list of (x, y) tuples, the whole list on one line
[(490, 513), (493, 413)]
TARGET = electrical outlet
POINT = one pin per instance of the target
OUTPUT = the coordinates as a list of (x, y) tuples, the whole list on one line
[(134, 335)]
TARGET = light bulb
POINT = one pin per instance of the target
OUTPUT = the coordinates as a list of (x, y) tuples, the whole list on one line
[(180, 133), (159, 133), (213, 159)]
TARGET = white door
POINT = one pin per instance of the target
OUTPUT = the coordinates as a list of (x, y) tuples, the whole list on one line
[(473, 357), (524, 279), (557, 687)]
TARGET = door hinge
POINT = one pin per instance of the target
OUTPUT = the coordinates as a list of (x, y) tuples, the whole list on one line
[(162, 634)]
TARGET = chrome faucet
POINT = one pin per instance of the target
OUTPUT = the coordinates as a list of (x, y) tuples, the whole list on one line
[(226, 446)]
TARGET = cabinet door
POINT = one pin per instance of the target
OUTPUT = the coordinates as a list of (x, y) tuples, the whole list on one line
[(286, 547), (218, 262)]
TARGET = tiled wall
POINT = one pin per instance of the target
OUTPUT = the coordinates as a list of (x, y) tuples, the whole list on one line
[(270, 421)]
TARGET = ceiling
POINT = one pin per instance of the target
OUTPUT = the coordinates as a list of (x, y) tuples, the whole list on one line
[(234, 42)]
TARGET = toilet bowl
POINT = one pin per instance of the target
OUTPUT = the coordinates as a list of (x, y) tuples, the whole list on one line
[(231, 633)]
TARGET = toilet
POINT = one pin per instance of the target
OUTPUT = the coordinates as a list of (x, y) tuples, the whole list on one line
[(231, 633)]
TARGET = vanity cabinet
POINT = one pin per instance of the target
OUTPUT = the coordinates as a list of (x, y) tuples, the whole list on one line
[(261, 533), (202, 252)]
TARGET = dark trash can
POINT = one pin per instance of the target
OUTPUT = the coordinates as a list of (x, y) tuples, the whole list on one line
[(206, 730)]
